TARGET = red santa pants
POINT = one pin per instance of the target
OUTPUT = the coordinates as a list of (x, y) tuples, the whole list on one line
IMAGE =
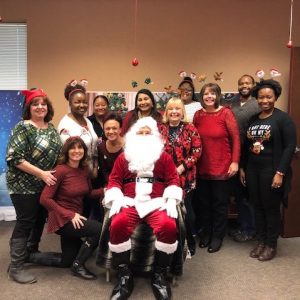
[(124, 223)]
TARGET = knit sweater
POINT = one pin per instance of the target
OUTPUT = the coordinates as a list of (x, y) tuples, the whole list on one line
[(219, 133), (65, 198)]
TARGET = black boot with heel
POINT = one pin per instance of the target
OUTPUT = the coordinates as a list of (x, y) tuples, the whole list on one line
[(78, 267)]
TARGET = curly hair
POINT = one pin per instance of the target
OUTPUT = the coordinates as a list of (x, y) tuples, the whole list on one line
[(69, 90), (69, 144), (268, 83)]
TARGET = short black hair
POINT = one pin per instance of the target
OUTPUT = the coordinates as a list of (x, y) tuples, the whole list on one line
[(268, 83), (113, 116), (247, 75), (101, 97)]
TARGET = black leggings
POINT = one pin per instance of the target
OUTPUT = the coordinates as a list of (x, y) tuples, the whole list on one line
[(190, 218), (266, 202), (71, 241), (30, 216)]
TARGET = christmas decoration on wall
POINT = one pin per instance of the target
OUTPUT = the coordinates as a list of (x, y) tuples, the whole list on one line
[(134, 84), (218, 76), (290, 43), (202, 78), (148, 80)]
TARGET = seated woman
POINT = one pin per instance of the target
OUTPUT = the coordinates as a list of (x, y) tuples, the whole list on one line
[(64, 202), (144, 106)]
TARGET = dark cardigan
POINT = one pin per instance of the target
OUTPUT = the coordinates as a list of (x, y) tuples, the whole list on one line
[(284, 144)]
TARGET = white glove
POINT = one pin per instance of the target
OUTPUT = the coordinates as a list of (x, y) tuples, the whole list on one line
[(170, 207), (116, 207)]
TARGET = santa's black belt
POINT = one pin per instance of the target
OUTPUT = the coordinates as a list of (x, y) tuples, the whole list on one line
[(143, 180)]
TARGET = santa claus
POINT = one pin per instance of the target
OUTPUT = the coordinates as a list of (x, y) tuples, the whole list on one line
[(143, 186)]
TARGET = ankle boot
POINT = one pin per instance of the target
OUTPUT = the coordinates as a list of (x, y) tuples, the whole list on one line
[(51, 259), (256, 252), (125, 285), (18, 255), (78, 268), (267, 254), (160, 286)]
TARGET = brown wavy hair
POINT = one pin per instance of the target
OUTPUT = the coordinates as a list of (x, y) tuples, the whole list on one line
[(69, 144)]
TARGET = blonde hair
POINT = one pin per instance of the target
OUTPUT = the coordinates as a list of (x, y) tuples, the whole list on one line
[(175, 100)]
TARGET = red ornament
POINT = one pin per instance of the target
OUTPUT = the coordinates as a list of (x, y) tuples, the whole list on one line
[(135, 62), (289, 44)]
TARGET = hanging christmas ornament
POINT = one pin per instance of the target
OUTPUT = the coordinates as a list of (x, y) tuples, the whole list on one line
[(134, 84), (148, 80), (290, 43), (135, 62)]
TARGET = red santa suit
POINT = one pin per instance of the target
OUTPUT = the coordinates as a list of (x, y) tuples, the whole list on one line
[(143, 198)]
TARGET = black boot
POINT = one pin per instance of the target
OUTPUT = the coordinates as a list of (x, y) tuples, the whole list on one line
[(51, 259), (124, 287), (18, 255), (160, 286), (78, 268)]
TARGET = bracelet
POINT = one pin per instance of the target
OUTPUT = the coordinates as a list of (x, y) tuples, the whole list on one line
[(280, 173)]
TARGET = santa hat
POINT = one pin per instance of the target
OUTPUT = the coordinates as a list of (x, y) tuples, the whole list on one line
[(31, 94)]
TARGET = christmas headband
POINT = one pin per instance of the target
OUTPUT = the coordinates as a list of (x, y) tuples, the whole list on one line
[(273, 73), (74, 82)]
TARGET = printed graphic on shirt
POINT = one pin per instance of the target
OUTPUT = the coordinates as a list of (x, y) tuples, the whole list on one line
[(258, 134)]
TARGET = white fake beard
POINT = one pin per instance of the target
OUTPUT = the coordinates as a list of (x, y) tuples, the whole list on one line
[(142, 152)]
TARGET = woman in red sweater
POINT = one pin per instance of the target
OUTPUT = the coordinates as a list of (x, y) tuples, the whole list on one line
[(144, 106), (219, 133), (64, 202)]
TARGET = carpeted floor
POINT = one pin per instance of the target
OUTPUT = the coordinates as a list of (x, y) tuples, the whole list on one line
[(227, 274)]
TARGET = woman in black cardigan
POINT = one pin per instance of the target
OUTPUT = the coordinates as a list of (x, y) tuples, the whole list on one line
[(267, 155)]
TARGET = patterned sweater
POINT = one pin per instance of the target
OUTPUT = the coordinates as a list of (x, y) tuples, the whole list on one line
[(39, 147)]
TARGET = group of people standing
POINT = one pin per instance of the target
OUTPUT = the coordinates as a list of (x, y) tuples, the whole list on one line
[(196, 153)]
